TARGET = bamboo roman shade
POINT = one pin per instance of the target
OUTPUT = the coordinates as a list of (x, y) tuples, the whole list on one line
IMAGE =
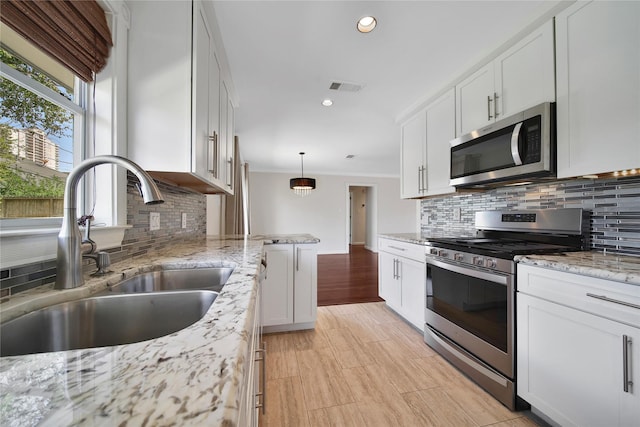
[(73, 32)]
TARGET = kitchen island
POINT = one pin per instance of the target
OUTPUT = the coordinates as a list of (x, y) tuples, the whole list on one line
[(191, 377)]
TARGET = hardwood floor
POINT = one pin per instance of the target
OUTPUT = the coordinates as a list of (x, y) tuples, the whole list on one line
[(364, 366), (348, 278)]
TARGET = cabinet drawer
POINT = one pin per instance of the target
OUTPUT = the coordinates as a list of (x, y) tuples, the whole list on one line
[(613, 300), (403, 249)]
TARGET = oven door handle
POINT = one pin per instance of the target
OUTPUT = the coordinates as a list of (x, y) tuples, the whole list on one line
[(515, 150), (478, 274)]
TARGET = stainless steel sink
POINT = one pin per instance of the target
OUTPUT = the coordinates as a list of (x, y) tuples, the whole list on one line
[(212, 278), (103, 321)]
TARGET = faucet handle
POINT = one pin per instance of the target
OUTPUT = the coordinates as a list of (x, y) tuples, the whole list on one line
[(86, 221)]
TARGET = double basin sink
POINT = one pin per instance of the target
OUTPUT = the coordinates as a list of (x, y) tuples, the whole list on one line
[(143, 307)]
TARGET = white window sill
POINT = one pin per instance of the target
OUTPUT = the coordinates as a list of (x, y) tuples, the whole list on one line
[(29, 245)]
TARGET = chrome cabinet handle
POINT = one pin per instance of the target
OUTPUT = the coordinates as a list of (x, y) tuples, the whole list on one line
[(515, 151), (395, 274), (230, 172), (298, 259), (397, 248), (262, 404), (489, 116), (495, 104), (615, 301), (213, 154), (627, 383), (424, 179)]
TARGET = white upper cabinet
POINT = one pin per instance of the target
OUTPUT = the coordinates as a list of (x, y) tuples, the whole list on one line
[(413, 146), (425, 149), (598, 78), (441, 126), (521, 77), (174, 94)]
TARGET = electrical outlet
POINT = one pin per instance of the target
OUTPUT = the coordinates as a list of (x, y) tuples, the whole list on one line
[(184, 220), (154, 221), (456, 214)]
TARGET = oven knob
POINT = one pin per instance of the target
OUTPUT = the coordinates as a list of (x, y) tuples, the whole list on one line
[(478, 261), (443, 254), (433, 251), (491, 263), (458, 256)]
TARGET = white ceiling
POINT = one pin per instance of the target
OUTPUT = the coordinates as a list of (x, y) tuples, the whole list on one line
[(283, 55)]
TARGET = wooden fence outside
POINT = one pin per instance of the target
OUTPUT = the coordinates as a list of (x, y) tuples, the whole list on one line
[(26, 207)]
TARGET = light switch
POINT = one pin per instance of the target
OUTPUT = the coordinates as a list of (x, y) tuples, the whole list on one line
[(154, 221)]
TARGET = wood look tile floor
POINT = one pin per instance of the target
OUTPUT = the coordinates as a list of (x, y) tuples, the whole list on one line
[(364, 366)]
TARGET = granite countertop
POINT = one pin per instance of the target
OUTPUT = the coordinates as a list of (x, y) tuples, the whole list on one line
[(619, 268), (191, 377)]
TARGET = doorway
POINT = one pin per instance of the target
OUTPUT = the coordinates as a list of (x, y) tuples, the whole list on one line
[(361, 216)]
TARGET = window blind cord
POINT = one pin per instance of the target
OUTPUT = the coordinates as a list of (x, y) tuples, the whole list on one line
[(93, 123)]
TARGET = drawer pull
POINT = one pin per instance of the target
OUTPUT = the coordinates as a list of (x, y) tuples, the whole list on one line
[(615, 301), (397, 248)]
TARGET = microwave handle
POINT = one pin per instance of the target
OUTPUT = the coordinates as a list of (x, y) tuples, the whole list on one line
[(515, 152)]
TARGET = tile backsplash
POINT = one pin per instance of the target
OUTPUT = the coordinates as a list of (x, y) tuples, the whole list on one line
[(138, 240), (614, 206)]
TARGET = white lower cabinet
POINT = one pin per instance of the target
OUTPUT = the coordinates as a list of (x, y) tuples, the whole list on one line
[(578, 356), (290, 288), (252, 395), (402, 279)]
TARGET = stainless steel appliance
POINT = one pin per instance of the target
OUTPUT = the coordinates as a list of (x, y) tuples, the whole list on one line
[(522, 146), (471, 284)]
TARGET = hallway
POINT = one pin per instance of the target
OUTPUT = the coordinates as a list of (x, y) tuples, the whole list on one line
[(348, 278)]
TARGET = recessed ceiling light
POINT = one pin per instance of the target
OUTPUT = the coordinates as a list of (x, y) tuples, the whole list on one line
[(366, 24), (327, 102)]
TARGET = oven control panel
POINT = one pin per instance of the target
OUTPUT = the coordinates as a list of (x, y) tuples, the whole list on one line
[(469, 259)]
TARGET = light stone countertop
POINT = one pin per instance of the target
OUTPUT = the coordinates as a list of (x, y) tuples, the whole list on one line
[(619, 268), (189, 378)]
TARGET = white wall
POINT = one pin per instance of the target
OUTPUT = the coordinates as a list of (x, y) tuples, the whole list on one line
[(275, 209)]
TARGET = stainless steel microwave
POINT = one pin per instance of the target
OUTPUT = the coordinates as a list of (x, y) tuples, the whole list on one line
[(521, 147)]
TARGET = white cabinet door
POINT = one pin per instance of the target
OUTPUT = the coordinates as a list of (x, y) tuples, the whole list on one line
[(570, 365), (203, 80), (388, 283), (474, 97), (412, 156), (520, 78), (441, 129), (277, 287), (413, 294), (306, 283), (598, 78), (525, 73)]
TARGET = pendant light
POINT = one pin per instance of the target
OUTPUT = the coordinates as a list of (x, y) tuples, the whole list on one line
[(302, 186)]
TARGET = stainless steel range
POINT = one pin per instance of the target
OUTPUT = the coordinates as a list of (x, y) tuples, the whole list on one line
[(470, 307)]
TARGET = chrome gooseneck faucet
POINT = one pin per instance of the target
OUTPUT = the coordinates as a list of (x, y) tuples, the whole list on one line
[(70, 244)]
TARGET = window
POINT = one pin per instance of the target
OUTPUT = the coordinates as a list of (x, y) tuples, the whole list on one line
[(41, 117), (28, 240)]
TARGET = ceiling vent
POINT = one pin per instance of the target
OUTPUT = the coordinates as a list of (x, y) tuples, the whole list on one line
[(345, 87)]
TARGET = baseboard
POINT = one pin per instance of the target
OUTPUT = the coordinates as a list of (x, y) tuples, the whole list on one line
[(288, 328)]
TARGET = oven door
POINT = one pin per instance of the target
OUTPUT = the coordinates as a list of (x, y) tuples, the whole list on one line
[(475, 309)]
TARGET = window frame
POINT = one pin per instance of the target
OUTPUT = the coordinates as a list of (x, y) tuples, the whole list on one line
[(29, 240)]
